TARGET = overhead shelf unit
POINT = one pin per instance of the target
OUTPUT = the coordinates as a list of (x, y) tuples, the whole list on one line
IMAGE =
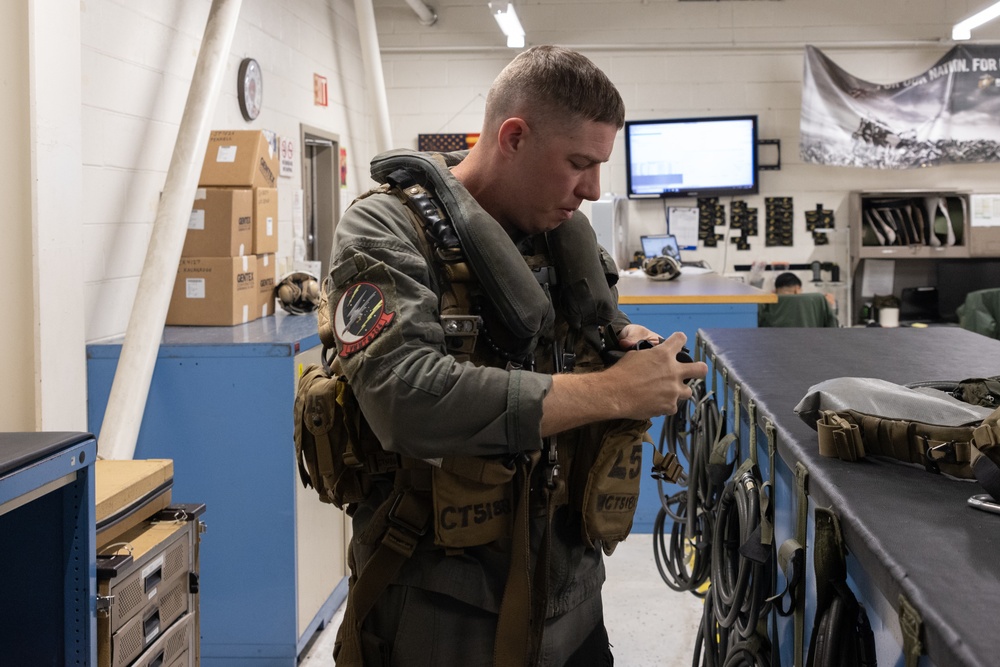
[(919, 228), (908, 224)]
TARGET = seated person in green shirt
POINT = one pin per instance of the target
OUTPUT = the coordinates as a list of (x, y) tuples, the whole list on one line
[(795, 309)]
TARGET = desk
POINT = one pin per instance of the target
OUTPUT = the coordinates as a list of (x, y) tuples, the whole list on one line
[(907, 531), (699, 289), (48, 555), (686, 304), (273, 561)]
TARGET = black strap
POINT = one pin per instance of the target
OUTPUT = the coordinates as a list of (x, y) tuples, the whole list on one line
[(988, 475)]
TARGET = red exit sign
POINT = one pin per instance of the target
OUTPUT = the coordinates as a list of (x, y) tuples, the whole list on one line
[(320, 96)]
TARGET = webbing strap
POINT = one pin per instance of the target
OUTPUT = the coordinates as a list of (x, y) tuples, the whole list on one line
[(407, 522), (752, 413), (986, 438), (767, 488), (911, 624), (715, 369), (511, 645), (802, 516), (737, 390), (725, 388)]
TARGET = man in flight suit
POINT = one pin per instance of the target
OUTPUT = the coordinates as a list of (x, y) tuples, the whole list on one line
[(550, 123)]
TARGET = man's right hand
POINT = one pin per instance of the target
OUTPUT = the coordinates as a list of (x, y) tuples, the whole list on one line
[(643, 384)]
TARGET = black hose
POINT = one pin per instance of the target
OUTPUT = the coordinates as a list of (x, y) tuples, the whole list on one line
[(738, 582)]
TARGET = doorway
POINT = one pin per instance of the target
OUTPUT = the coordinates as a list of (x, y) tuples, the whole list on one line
[(320, 194)]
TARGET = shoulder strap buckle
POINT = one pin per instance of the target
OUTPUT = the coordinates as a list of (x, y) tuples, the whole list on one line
[(408, 515)]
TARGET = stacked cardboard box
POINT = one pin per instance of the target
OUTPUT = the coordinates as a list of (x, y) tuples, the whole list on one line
[(227, 271)]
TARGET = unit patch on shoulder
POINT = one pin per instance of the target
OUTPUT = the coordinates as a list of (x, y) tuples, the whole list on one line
[(360, 316)]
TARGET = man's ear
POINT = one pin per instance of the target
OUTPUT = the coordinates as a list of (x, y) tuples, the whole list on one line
[(511, 135)]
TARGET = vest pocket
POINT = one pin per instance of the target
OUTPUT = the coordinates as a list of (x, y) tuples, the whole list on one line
[(611, 491), (473, 504)]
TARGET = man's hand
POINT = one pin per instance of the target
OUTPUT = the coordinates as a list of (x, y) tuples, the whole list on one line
[(653, 381), (641, 385), (631, 334)]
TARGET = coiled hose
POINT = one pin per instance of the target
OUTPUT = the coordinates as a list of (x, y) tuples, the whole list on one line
[(683, 561), (739, 583)]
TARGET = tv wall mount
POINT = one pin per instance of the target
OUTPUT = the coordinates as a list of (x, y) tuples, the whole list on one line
[(770, 142)]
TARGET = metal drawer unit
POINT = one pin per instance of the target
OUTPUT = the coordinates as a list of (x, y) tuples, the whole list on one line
[(173, 647), (147, 581)]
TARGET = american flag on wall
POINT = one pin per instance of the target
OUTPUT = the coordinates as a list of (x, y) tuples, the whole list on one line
[(443, 143)]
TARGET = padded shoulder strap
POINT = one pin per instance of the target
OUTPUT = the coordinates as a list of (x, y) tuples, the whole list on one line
[(507, 281)]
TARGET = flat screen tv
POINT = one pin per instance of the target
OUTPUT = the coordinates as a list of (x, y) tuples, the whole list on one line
[(692, 157)]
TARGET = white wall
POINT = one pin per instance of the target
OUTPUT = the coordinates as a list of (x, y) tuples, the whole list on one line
[(676, 59), (137, 63), (120, 72)]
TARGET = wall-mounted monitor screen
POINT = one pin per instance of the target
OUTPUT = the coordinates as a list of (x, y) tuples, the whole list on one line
[(692, 157)]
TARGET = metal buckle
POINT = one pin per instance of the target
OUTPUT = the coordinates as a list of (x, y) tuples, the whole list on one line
[(461, 325), (400, 523), (931, 461)]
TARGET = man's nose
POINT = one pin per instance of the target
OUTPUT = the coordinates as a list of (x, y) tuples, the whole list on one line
[(589, 187)]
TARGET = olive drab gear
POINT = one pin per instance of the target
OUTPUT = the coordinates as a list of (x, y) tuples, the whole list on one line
[(490, 317), (962, 442)]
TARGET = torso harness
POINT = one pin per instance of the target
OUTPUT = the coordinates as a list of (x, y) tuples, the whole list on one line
[(596, 470)]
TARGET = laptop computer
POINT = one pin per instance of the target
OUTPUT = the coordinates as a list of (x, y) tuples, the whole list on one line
[(661, 244)]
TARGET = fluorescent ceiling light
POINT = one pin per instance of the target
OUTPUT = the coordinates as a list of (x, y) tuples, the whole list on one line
[(510, 25), (963, 29)]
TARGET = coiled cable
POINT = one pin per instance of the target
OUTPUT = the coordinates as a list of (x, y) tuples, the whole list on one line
[(739, 582), (683, 561)]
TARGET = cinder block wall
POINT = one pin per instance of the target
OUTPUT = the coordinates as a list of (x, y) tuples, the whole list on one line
[(674, 58), (137, 61)]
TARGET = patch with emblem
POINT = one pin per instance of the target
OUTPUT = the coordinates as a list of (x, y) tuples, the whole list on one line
[(360, 316)]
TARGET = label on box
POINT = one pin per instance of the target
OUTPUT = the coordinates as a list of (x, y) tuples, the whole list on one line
[(201, 193), (226, 154), (197, 219), (194, 288), (246, 313), (270, 226)]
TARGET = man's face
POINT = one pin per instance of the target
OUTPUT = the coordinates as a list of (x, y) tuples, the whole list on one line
[(556, 171)]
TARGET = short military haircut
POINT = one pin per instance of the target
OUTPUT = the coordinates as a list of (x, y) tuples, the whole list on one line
[(787, 279), (551, 83)]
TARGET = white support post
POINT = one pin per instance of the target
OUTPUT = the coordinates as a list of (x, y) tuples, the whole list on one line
[(130, 388)]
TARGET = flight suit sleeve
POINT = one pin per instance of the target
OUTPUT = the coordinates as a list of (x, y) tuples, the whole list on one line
[(420, 401)]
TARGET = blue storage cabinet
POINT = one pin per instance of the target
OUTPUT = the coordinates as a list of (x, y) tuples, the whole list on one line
[(273, 561), (47, 549)]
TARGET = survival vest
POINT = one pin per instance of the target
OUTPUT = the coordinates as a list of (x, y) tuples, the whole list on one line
[(471, 501), (967, 451)]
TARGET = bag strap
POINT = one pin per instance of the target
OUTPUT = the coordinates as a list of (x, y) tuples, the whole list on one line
[(406, 523)]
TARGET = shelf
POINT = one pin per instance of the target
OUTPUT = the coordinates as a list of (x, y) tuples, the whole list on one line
[(912, 252)]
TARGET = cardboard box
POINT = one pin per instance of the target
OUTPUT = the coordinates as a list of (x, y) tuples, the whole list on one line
[(128, 492), (221, 223), (214, 291), (240, 158), (265, 220), (267, 274)]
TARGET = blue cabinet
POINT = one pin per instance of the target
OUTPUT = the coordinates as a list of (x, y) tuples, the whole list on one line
[(220, 405), (47, 549)]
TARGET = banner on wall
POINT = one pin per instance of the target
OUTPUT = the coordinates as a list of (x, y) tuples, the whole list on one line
[(946, 115)]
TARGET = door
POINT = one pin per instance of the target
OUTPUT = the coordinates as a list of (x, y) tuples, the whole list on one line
[(320, 196)]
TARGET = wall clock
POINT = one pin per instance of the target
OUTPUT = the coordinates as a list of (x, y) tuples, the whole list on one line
[(250, 88)]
